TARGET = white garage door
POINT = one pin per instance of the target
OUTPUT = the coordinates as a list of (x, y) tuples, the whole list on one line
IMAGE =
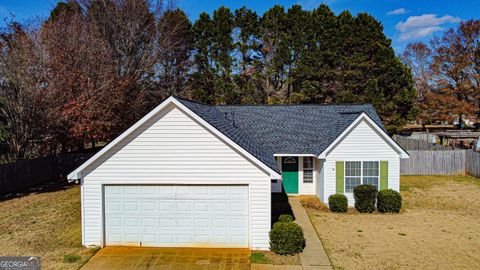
[(176, 216)]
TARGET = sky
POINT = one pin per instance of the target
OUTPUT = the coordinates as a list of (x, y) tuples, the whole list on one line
[(404, 21)]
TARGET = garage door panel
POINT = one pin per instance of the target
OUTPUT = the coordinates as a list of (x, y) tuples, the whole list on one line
[(177, 215)]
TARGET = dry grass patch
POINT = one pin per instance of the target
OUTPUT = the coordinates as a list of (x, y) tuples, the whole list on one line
[(313, 202), (438, 228), (44, 224)]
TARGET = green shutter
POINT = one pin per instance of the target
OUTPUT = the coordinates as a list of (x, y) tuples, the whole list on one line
[(383, 174), (340, 176)]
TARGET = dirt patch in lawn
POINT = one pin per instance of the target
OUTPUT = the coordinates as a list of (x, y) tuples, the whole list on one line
[(45, 224), (272, 258), (438, 228)]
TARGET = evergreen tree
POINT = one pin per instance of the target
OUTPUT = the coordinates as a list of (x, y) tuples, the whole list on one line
[(379, 70), (222, 50), (246, 38), (317, 67), (203, 77), (275, 53), (297, 34)]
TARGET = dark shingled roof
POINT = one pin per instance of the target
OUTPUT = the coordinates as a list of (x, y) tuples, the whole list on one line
[(264, 130)]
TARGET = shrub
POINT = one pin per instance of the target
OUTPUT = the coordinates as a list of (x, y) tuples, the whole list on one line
[(365, 196), (338, 203), (389, 200), (313, 203), (286, 238), (285, 218)]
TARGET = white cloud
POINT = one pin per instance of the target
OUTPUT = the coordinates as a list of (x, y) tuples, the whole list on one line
[(397, 11), (424, 25), (311, 4)]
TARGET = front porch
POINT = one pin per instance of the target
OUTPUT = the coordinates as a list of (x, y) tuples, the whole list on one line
[(300, 175)]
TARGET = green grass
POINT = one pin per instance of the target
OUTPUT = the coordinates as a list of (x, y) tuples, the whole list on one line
[(71, 258), (257, 257)]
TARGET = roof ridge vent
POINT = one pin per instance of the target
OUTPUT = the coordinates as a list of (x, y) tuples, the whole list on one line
[(352, 112)]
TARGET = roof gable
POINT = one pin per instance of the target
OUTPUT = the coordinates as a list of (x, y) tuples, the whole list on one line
[(375, 127), (211, 116)]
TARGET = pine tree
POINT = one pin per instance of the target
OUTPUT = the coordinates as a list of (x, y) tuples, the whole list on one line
[(203, 77), (246, 37), (222, 49), (275, 53)]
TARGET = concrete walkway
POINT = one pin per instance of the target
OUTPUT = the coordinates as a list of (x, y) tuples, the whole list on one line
[(313, 256)]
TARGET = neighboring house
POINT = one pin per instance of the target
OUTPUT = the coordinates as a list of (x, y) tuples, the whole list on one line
[(194, 175)]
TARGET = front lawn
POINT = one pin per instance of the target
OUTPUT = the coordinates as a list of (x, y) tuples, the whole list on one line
[(438, 228), (46, 224)]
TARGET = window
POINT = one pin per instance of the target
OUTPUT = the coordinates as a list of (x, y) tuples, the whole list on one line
[(308, 170), (357, 173), (289, 160), (353, 175), (370, 173)]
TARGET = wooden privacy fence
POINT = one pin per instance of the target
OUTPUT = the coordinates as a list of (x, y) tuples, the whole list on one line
[(447, 162), (472, 166), (415, 144), (26, 173)]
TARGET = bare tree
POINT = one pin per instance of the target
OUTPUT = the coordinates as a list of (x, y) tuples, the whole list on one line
[(21, 77)]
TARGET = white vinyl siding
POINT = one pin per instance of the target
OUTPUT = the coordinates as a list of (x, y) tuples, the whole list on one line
[(363, 143), (319, 174), (172, 148)]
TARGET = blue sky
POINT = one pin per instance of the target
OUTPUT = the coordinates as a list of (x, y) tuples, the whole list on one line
[(404, 20)]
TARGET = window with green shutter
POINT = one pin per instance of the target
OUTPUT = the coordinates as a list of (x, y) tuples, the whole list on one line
[(355, 173)]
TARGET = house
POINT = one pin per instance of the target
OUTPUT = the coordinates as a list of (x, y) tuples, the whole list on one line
[(194, 175)]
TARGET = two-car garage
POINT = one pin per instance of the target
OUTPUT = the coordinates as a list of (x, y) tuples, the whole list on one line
[(176, 215), (174, 180)]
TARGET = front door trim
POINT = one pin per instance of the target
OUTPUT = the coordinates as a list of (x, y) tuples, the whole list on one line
[(290, 169)]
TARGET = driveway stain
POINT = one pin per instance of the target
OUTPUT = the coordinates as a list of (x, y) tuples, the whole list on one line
[(169, 258)]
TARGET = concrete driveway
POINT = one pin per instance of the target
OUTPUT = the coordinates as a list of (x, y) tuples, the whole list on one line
[(169, 258)]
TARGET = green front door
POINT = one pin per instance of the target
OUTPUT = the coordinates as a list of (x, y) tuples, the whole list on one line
[(290, 174)]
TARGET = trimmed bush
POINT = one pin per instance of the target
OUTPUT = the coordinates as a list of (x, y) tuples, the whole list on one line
[(285, 218), (338, 203), (389, 200), (365, 196), (286, 238)]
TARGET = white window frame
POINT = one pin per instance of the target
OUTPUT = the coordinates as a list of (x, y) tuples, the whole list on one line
[(303, 170), (361, 174)]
